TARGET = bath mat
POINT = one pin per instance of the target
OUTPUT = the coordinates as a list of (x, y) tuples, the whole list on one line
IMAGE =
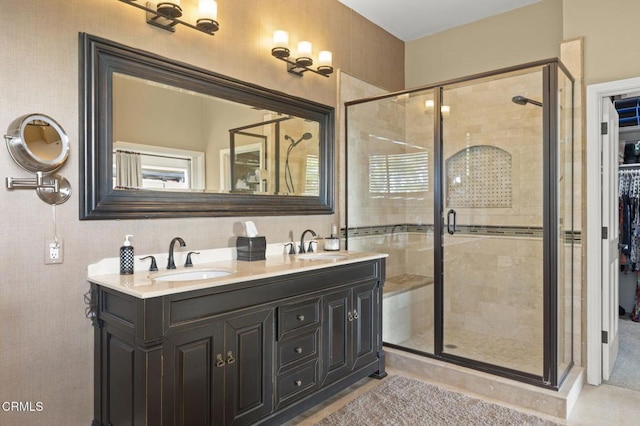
[(403, 401)]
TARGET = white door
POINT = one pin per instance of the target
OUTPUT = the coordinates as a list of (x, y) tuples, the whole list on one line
[(610, 251)]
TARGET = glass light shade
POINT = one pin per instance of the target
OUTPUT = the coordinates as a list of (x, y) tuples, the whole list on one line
[(281, 38), (208, 9), (445, 110), (325, 58), (428, 104), (304, 48)]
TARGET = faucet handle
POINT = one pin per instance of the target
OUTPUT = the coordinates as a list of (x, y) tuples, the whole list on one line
[(292, 247), (188, 263), (310, 249), (154, 266)]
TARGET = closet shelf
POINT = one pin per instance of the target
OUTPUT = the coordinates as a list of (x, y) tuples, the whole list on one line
[(630, 132)]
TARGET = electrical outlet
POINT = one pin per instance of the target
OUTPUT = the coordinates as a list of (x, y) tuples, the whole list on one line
[(52, 252)]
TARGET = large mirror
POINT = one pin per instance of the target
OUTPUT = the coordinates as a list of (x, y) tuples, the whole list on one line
[(166, 139)]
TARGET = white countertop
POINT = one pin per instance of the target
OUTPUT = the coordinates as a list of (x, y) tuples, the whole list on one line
[(140, 284)]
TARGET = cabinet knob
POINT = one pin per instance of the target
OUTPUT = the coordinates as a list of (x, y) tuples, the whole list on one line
[(230, 358), (355, 314), (300, 317), (298, 382), (219, 361), (350, 316), (298, 350)]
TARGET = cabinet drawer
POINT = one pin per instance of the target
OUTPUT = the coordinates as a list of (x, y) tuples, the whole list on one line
[(298, 349), (297, 317), (297, 383)]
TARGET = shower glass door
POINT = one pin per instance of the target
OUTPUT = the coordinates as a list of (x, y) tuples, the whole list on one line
[(390, 196), (492, 209)]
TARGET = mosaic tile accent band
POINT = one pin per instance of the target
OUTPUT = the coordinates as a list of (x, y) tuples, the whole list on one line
[(503, 231)]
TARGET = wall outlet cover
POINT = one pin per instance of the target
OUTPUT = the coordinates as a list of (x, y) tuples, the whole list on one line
[(53, 251)]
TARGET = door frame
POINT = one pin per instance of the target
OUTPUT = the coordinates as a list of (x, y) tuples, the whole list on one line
[(593, 192)]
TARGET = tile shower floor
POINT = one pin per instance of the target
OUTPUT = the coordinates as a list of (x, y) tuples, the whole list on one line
[(516, 355), (498, 351)]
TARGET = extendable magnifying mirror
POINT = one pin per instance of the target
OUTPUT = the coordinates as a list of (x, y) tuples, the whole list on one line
[(39, 145)]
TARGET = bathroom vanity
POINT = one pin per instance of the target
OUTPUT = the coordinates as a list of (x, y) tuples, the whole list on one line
[(262, 343)]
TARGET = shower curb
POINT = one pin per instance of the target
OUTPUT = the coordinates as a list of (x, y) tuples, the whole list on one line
[(498, 389)]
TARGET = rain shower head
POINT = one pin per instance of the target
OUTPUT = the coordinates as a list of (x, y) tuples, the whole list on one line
[(521, 100)]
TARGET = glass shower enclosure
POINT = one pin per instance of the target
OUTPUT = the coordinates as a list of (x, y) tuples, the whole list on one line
[(467, 185)]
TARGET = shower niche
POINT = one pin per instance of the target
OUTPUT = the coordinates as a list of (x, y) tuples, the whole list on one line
[(467, 185)]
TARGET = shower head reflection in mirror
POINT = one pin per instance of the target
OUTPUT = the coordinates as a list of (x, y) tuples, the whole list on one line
[(38, 144), (288, 178)]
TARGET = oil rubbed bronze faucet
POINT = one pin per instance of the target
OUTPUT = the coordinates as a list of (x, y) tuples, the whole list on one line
[(171, 264), (302, 250)]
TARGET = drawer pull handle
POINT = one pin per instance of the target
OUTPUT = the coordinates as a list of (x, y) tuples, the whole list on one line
[(300, 317), (355, 314), (298, 350), (219, 361), (230, 358), (298, 383)]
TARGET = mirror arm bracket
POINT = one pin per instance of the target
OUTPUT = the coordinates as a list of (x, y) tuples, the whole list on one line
[(31, 183), (52, 189)]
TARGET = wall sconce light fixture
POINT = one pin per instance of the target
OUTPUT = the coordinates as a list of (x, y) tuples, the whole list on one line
[(166, 15), (303, 62)]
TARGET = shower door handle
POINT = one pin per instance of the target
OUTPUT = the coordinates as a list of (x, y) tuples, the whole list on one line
[(451, 213)]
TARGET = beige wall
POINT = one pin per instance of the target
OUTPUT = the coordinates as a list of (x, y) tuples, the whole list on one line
[(610, 30), (523, 35), (46, 351)]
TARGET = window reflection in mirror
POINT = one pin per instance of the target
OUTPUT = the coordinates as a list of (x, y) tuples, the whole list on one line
[(168, 138)]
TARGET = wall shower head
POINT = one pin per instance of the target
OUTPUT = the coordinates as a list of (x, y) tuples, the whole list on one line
[(521, 100), (304, 137)]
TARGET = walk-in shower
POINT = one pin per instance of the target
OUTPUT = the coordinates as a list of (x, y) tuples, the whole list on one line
[(471, 197)]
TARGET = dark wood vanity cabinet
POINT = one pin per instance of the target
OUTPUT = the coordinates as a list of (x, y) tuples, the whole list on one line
[(256, 352)]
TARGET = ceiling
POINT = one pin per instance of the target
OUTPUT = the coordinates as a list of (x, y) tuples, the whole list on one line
[(411, 19)]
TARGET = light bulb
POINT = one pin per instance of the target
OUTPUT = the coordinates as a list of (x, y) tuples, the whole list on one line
[(208, 9), (325, 58), (280, 39), (304, 48)]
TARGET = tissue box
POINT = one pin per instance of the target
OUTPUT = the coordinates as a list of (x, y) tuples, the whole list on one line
[(251, 248)]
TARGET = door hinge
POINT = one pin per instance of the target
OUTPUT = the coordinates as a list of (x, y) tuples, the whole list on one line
[(605, 337), (604, 128), (605, 233)]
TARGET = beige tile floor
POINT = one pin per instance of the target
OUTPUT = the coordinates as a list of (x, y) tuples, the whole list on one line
[(604, 405)]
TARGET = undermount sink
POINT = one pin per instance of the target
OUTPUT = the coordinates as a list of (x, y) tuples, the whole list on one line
[(195, 275), (321, 256)]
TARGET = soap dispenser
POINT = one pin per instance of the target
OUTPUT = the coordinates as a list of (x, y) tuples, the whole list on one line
[(126, 257)]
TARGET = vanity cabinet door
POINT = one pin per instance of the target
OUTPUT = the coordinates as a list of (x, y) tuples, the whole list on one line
[(194, 376), (365, 324), (336, 335), (221, 372), (350, 330), (249, 367)]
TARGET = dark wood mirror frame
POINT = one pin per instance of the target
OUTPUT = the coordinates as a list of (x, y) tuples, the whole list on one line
[(99, 59)]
